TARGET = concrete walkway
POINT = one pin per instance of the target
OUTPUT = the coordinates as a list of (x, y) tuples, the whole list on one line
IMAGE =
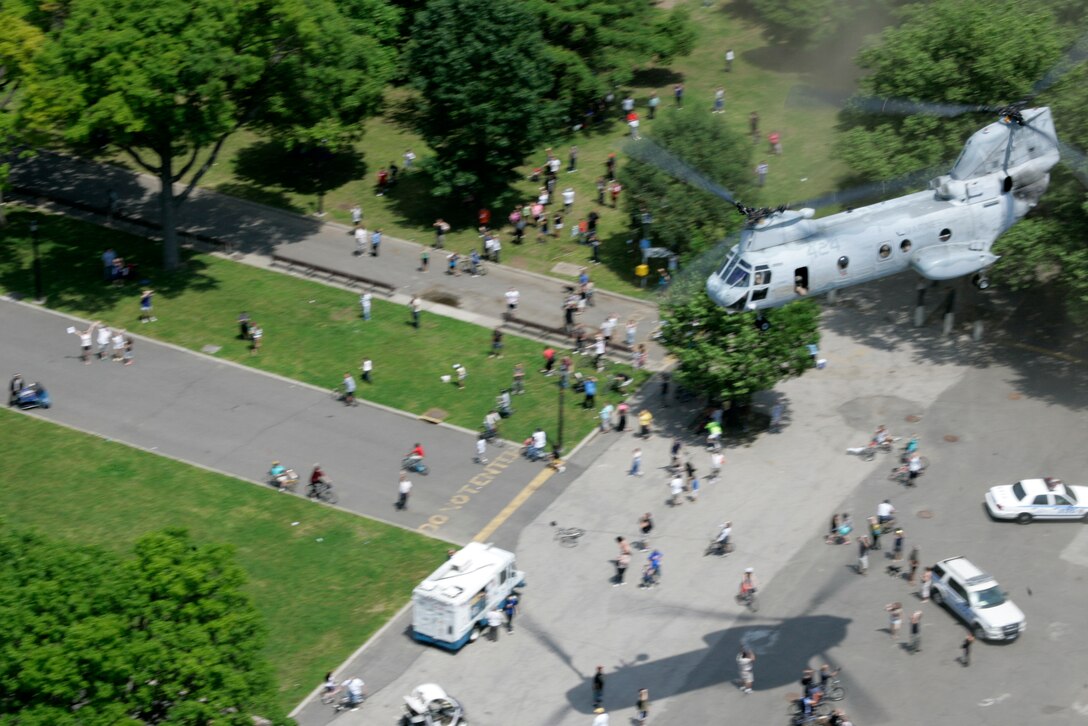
[(254, 232)]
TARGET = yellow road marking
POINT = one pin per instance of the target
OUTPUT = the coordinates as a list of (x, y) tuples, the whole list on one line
[(515, 503)]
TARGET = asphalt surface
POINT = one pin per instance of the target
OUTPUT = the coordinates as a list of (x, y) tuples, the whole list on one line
[(238, 420), (254, 232), (986, 415)]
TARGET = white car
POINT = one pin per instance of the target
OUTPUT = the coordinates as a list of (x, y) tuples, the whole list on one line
[(977, 599), (1030, 499)]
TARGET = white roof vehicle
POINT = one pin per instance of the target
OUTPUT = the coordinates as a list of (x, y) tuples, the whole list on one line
[(1030, 499), (977, 599)]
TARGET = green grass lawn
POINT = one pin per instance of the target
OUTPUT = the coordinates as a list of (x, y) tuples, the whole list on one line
[(313, 333), (324, 580), (762, 79)]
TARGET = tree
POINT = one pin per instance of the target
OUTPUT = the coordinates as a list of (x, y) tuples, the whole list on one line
[(168, 82), (687, 219), (88, 638), (482, 69), (20, 41), (947, 51), (727, 357), (596, 45)]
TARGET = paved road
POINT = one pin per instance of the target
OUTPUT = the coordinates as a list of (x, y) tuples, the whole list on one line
[(237, 420), (256, 232), (680, 640)]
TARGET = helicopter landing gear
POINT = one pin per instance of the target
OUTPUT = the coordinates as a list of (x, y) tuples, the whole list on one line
[(762, 323), (980, 281)]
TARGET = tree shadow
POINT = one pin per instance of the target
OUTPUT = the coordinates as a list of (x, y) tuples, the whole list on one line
[(72, 270), (259, 195), (655, 77), (311, 170)]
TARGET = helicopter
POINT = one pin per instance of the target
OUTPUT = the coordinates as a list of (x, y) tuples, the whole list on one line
[(942, 233)]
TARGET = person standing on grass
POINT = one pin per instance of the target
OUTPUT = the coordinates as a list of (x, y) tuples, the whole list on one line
[(496, 343), (441, 228), (678, 94), (572, 156), (761, 173), (549, 361), (518, 386), (243, 326), (404, 488), (364, 305), (145, 307), (729, 58), (256, 336), (356, 215), (462, 374), (652, 103), (415, 306)]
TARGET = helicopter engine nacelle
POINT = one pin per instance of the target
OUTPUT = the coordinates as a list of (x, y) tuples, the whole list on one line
[(952, 260)]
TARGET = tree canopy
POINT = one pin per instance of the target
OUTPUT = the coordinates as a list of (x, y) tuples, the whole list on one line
[(727, 357), (20, 41), (687, 219), (167, 82), (482, 70), (166, 636), (947, 51)]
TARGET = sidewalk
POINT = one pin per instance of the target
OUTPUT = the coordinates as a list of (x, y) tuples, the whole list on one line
[(255, 232)]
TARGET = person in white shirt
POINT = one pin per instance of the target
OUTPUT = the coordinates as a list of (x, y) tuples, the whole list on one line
[(354, 687), (104, 335), (364, 304), (676, 488), (540, 440), (404, 488), (601, 719), (360, 240), (717, 459), (367, 368), (512, 299), (568, 198), (884, 511)]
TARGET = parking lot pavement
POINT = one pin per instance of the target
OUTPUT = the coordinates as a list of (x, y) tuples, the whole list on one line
[(680, 639), (238, 420)]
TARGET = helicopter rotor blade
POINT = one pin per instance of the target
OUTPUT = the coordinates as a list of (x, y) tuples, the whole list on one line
[(907, 107), (918, 178), (1073, 57), (647, 151)]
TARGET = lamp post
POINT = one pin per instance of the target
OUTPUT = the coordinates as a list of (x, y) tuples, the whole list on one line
[(562, 391), (37, 261)]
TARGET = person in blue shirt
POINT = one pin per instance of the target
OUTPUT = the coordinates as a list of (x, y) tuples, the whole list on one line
[(474, 259), (591, 393), (375, 243)]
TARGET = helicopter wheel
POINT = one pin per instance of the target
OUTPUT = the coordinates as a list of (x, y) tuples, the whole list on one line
[(762, 323), (980, 281)]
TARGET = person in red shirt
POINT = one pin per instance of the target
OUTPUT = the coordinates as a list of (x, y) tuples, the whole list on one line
[(383, 181), (549, 360), (484, 217), (417, 451)]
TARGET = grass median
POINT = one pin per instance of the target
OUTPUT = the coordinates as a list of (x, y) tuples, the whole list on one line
[(312, 332), (323, 579)]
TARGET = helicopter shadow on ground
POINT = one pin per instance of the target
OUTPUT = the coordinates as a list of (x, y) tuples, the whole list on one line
[(1024, 332), (783, 649)]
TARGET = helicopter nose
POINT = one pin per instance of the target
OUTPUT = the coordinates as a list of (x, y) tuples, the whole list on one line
[(725, 297)]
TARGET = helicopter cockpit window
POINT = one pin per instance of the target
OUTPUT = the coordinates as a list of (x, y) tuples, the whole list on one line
[(762, 277), (946, 234), (844, 262), (980, 156), (904, 246), (885, 251), (738, 276)]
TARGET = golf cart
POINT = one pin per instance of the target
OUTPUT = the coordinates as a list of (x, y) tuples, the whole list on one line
[(430, 705)]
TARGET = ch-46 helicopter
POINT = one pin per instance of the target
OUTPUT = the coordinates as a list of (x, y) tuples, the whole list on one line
[(942, 233)]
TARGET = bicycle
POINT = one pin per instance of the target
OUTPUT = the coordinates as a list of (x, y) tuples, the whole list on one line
[(834, 690), (339, 394), (323, 492), (901, 474), (568, 536), (749, 600), (819, 709)]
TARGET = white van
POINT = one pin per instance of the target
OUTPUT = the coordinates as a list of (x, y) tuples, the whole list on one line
[(450, 607)]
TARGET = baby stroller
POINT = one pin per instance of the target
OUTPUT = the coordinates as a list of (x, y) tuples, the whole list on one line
[(27, 396)]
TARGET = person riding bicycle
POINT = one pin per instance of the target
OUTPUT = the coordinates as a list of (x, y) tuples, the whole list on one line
[(415, 456), (914, 467), (349, 388), (538, 444), (281, 476), (748, 583), (354, 687), (722, 540), (491, 424), (911, 446), (713, 434), (880, 437), (826, 674), (318, 482), (655, 563), (885, 512), (503, 405)]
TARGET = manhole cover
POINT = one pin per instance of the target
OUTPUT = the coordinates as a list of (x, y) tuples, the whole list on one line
[(925, 514), (913, 418), (434, 415), (951, 438), (442, 298), (1015, 396), (211, 349)]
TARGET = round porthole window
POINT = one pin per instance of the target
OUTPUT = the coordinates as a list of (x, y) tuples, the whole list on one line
[(844, 262), (904, 246), (885, 251), (946, 234)]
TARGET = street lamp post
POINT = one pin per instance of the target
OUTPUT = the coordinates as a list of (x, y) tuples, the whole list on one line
[(37, 261)]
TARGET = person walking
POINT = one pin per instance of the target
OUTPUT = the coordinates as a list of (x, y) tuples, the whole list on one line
[(912, 561), (717, 460), (730, 56), (518, 386), (761, 172), (349, 389), (481, 449), (678, 94), (513, 297), (897, 546), (103, 339), (636, 463), (364, 305), (424, 259), (404, 488), (129, 356), (645, 527), (510, 609), (745, 661), (863, 555), (243, 325), (642, 706), (623, 561), (416, 306), (915, 632), (356, 215), (549, 361), (494, 623), (145, 306), (598, 688), (676, 489), (572, 158), (927, 584), (361, 237), (256, 336), (621, 417), (895, 618), (606, 417), (367, 367), (376, 243), (965, 647), (496, 343)]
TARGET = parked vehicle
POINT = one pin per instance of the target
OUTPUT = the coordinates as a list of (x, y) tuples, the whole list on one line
[(977, 599), (1031, 499)]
